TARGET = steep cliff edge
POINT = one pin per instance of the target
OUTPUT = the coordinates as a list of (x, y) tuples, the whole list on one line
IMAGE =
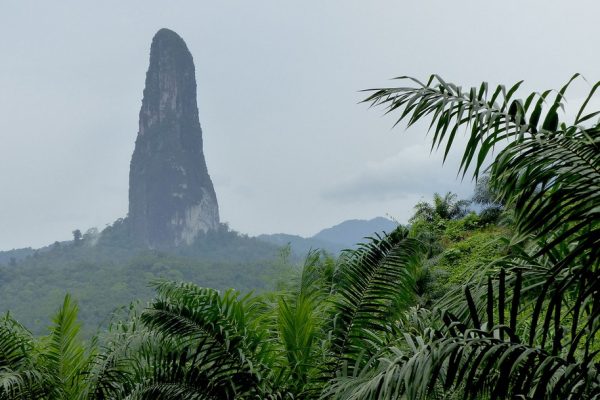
[(171, 195)]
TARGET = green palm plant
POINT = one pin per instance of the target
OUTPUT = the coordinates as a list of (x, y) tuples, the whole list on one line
[(210, 345), (20, 377), (375, 284), (528, 327), (197, 343), (57, 366), (300, 317), (443, 207), (64, 357)]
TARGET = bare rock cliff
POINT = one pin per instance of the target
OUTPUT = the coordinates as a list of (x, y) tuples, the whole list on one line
[(171, 195)]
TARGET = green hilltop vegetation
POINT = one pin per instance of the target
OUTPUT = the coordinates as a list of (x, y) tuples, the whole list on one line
[(104, 271), (107, 270), (500, 304)]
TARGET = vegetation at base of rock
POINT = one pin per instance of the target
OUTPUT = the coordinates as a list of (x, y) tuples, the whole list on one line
[(107, 271)]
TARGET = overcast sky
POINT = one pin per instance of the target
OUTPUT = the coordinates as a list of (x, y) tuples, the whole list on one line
[(287, 145)]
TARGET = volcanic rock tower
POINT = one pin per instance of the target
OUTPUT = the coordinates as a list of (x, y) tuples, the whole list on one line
[(171, 195)]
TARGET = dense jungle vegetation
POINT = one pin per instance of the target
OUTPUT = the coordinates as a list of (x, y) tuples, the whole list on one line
[(500, 304), (105, 270)]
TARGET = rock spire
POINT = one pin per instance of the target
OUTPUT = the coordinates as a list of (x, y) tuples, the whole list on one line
[(171, 195)]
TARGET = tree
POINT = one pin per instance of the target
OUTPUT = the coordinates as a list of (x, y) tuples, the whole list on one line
[(489, 199), (526, 326), (77, 236), (443, 208)]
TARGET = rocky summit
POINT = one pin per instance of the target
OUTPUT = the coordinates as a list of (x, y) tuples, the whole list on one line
[(171, 195)]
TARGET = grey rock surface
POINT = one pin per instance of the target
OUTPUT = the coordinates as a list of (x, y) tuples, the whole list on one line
[(171, 195)]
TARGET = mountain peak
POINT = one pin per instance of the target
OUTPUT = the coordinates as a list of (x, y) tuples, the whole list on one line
[(171, 195), (355, 230)]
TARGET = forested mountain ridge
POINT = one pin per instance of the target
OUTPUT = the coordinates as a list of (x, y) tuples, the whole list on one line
[(353, 231), (333, 239)]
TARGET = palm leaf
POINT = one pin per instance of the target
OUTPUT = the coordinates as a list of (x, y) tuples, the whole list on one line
[(20, 376), (64, 356), (375, 283), (219, 347), (549, 173)]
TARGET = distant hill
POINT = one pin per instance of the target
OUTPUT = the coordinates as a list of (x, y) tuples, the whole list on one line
[(299, 244), (342, 236), (353, 231)]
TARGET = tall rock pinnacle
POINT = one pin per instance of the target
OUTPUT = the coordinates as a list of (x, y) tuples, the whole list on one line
[(171, 195)]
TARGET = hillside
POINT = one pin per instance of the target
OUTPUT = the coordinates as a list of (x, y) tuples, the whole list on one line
[(102, 273), (105, 270)]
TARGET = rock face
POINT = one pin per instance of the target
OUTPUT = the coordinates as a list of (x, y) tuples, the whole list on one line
[(171, 195)]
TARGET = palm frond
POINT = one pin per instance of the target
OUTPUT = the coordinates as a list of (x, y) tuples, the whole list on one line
[(552, 181), (375, 283), (64, 356), (220, 342), (301, 315), (20, 376), (388, 374), (528, 326), (489, 116)]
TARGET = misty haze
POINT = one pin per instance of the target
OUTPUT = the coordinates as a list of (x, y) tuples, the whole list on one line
[(316, 201)]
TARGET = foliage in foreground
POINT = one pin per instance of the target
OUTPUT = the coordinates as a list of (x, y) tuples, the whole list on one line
[(527, 327)]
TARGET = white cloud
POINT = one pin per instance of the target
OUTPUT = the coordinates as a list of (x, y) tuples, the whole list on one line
[(410, 172)]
